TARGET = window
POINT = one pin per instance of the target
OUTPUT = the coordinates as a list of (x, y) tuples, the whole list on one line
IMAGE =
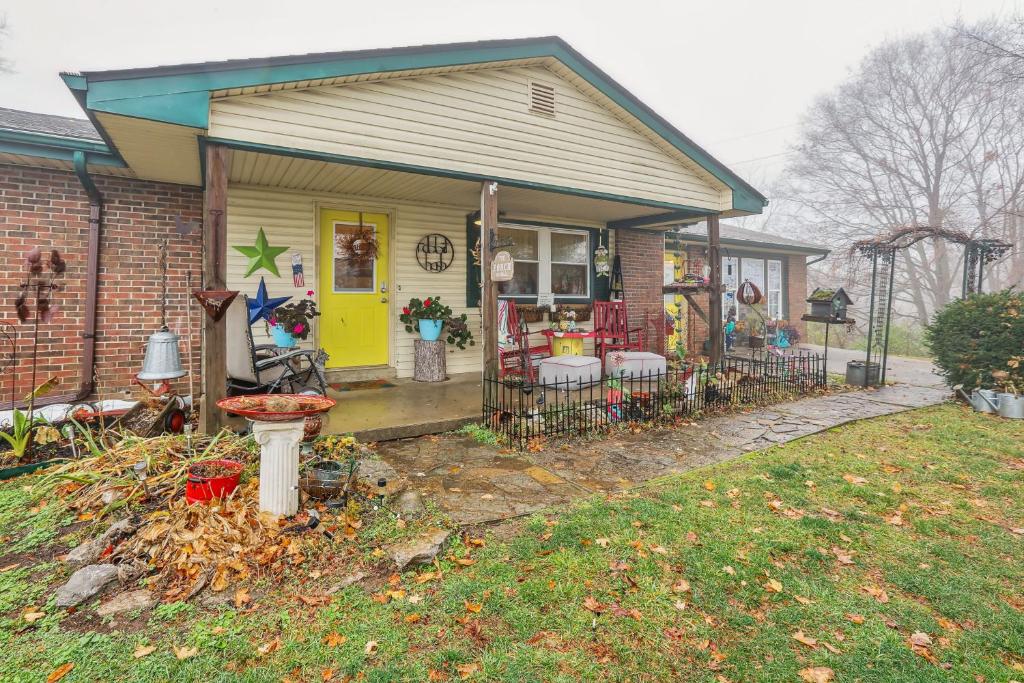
[(547, 260), (774, 292), (766, 274)]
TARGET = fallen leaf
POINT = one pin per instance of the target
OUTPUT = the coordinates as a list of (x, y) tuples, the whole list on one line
[(803, 601), (334, 639), (465, 561), (709, 485), (855, 618), (473, 607), (327, 674), (32, 615), (679, 605), (659, 550), (681, 586), (315, 599), (593, 605), (729, 570), (920, 639), (773, 585), (877, 593), (806, 640), (817, 674), (9, 567), (242, 598), (412, 618), (371, 647), (143, 651), (185, 652), (270, 646), (603, 542), (467, 670), (60, 672), (859, 481)]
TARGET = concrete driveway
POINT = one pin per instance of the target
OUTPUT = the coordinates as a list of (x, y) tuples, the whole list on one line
[(914, 371)]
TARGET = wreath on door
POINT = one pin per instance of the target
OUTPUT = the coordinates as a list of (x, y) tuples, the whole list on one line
[(358, 245)]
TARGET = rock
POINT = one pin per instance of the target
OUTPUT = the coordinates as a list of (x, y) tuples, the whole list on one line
[(409, 505), (90, 551), (349, 580), (129, 572), (371, 471), (137, 599), (420, 550), (85, 583)]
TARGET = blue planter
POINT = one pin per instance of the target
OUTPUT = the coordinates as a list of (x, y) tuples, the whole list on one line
[(282, 337), (430, 330)]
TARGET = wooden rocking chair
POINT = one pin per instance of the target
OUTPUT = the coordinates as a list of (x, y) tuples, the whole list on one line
[(611, 324), (519, 359)]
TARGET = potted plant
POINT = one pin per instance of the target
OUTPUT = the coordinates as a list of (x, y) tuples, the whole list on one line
[(292, 322), (429, 316), (211, 479)]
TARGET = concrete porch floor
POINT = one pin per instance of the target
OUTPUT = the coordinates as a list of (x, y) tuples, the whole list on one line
[(407, 409)]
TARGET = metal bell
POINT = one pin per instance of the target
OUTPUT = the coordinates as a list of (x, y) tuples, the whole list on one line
[(163, 358)]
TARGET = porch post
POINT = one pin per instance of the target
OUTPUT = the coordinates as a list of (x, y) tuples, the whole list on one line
[(488, 295), (215, 250), (715, 295)]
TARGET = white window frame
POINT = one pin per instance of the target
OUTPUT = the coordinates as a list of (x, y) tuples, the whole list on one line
[(544, 262), (774, 297)]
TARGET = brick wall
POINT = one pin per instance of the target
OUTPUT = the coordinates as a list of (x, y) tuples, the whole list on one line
[(49, 209), (796, 292), (641, 254)]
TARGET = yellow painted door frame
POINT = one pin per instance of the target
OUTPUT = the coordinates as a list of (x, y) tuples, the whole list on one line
[(355, 326)]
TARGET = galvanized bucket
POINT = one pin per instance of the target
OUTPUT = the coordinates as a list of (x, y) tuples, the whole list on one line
[(985, 400), (1011, 406)]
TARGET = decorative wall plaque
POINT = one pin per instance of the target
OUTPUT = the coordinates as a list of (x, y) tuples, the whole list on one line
[(435, 252)]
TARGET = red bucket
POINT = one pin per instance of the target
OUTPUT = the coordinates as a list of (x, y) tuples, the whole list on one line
[(200, 489)]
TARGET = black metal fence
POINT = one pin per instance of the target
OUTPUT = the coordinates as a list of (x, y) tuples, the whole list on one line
[(521, 412)]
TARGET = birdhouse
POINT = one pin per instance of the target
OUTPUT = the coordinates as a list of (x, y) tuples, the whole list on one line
[(829, 303)]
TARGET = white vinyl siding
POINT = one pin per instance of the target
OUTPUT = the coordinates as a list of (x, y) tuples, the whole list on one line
[(290, 218), (474, 122)]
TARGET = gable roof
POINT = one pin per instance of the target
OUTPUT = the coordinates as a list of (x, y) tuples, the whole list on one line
[(737, 236), (180, 94), (47, 136)]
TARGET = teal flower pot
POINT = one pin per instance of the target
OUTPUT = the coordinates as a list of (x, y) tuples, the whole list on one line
[(430, 330), (282, 337)]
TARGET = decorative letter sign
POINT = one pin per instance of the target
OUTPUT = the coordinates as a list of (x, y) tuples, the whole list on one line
[(502, 267)]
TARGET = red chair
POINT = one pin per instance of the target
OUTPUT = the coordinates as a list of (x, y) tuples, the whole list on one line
[(518, 360), (611, 324)]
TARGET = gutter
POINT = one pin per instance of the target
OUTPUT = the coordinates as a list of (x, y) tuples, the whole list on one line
[(818, 260), (88, 357)]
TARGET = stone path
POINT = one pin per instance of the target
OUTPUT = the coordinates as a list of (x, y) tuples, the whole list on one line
[(474, 483)]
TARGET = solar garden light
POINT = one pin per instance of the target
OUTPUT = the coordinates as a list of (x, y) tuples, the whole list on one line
[(141, 472), (69, 433)]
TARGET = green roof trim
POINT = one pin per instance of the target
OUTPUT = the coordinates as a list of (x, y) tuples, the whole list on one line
[(180, 94), (55, 147)]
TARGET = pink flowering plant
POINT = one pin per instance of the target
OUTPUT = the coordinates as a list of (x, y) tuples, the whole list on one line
[(456, 326), (297, 317)]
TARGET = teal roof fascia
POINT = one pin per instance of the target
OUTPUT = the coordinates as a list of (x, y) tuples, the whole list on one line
[(55, 147)]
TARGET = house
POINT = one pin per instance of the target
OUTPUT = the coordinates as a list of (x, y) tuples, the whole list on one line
[(776, 265), (409, 144)]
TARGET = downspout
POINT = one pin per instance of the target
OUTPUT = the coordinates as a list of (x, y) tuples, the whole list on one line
[(88, 357), (817, 260)]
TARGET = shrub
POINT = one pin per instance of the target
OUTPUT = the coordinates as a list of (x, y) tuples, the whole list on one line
[(979, 341)]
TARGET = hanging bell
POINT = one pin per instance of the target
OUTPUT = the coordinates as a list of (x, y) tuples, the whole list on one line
[(163, 357)]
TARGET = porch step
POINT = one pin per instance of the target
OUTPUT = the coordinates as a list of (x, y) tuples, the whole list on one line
[(341, 375), (409, 431)]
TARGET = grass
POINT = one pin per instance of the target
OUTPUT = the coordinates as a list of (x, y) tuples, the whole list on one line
[(873, 532)]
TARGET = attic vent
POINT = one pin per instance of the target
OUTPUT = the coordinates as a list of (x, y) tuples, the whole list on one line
[(542, 98)]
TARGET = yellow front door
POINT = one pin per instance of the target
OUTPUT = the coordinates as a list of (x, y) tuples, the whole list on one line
[(354, 289)]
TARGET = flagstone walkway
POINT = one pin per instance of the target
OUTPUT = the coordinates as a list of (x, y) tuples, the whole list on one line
[(474, 483)]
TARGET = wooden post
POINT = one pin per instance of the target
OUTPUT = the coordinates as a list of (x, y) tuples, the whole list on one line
[(430, 364), (715, 295), (488, 295), (215, 252)]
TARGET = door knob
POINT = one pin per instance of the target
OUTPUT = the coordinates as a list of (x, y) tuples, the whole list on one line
[(383, 299)]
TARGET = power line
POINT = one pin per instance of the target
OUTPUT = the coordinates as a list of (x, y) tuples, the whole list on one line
[(755, 133)]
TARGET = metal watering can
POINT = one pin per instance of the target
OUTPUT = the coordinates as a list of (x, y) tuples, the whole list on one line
[(984, 400), (1011, 406)]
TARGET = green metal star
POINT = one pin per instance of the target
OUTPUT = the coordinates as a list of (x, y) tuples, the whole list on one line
[(262, 255)]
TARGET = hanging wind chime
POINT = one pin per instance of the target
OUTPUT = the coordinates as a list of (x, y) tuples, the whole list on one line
[(163, 356)]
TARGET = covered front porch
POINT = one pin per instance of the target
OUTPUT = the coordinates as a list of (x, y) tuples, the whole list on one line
[(305, 204)]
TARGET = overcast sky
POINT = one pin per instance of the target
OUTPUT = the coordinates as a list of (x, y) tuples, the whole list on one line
[(735, 75)]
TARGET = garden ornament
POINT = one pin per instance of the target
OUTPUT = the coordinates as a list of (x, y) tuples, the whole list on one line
[(262, 255)]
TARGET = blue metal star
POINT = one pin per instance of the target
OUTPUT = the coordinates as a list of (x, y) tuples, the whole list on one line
[(261, 306)]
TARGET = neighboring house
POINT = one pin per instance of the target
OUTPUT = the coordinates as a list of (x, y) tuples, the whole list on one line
[(777, 265), (310, 147)]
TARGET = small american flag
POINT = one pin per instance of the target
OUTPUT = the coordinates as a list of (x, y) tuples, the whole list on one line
[(298, 279)]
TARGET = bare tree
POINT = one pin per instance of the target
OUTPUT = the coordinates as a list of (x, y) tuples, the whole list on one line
[(5, 64), (923, 134)]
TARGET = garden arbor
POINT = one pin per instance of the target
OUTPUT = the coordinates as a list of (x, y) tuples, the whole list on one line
[(882, 251)]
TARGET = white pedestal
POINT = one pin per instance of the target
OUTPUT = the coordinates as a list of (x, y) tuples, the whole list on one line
[(279, 465)]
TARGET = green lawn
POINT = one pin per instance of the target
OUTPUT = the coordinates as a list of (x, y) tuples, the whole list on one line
[(854, 541)]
